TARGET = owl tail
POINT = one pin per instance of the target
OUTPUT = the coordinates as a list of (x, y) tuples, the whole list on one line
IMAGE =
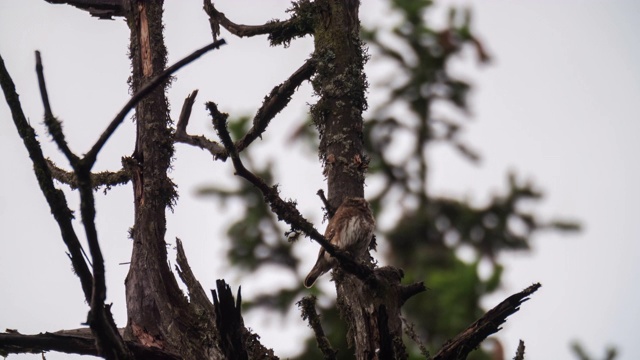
[(312, 277), (322, 266)]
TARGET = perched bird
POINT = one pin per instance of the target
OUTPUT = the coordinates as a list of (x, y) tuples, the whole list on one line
[(350, 229)]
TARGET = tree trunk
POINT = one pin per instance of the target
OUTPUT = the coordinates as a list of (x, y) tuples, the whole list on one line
[(371, 309), (341, 83), (158, 312)]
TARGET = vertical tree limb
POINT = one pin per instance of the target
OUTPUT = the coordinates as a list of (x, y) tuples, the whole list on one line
[(53, 125), (108, 340), (55, 197), (154, 300)]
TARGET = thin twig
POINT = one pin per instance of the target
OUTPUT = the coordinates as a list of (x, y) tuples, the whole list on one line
[(90, 157), (107, 337), (308, 308), (277, 100), (217, 18), (55, 197), (327, 207), (410, 331), (53, 125), (185, 113), (99, 318), (202, 142), (108, 340)]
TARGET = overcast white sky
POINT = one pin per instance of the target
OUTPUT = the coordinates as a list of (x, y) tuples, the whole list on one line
[(559, 105)]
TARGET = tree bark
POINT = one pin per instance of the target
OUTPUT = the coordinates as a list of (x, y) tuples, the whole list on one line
[(341, 83), (158, 312), (370, 308)]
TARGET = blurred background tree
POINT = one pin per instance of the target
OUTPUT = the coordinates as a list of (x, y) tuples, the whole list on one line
[(450, 244)]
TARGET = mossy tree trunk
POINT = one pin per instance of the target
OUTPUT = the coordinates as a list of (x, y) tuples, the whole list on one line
[(154, 300), (372, 308)]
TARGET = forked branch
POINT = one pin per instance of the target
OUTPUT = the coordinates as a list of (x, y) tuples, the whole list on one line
[(277, 100), (107, 336), (55, 197), (200, 141), (108, 339)]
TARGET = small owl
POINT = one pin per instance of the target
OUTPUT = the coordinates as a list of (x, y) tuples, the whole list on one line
[(350, 229)]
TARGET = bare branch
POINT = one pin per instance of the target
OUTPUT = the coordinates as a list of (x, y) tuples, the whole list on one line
[(93, 287), (103, 178), (103, 9), (277, 100), (217, 18), (70, 342), (472, 336), (308, 308), (55, 197), (53, 125), (108, 340), (327, 207), (185, 113), (410, 331), (202, 142), (280, 32), (90, 157), (110, 343), (285, 210)]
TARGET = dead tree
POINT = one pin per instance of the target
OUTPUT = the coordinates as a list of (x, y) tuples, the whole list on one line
[(162, 322)]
